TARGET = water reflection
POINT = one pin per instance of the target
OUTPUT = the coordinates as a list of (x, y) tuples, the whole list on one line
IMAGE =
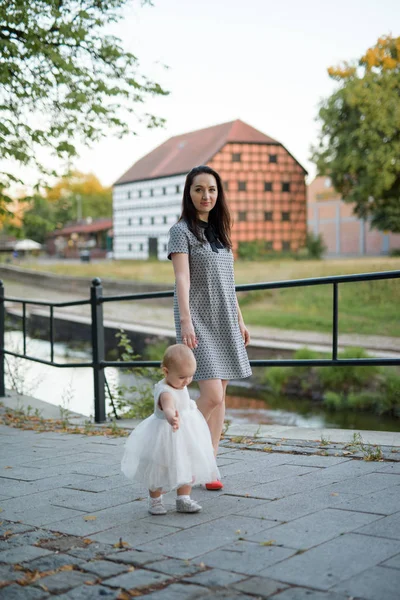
[(73, 388)]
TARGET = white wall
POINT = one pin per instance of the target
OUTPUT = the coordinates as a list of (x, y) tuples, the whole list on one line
[(138, 215)]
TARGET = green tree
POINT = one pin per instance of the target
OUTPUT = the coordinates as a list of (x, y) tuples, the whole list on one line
[(359, 143), (64, 81)]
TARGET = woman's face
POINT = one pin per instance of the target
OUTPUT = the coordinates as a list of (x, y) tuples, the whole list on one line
[(204, 194)]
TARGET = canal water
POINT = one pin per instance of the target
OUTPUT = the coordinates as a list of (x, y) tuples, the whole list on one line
[(72, 388)]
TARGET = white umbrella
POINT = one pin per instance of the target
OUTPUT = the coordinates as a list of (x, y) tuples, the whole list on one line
[(27, 245)]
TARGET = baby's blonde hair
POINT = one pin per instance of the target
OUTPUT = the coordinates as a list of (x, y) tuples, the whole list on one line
[(175, 354)]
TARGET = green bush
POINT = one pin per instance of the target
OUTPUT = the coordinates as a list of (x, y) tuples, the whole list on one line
[(276, 378), (334, 401), (315, 245), (364, 400), (348, 378)]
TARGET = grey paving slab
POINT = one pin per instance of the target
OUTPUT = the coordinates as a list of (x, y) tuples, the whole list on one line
[(215, 578), (260, 586), (8, 574), (366, 484), (17, 592), (176, 567), (19, 555), (89, 501), (30, 538), (74, 457), (24, 473), (135, 557), (388, 468), (95, 550), (40, 515), (189, 543), (135, 533), (315, 461), (297, 593), (383, 502), (52, 562), (101, 484), (333, 562), (13, 488), (179, 591), (388, 527), (104, 568), (64, 581), (14, 528), (92, 592), (243, 557), (139, 578), (298, 505), (109, 517), (314, 529), (392, 563), (372, 584)]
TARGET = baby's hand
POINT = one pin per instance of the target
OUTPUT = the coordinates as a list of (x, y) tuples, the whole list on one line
[(174, 422)]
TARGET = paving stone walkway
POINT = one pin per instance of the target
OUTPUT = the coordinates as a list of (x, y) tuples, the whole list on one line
[(287, 526)]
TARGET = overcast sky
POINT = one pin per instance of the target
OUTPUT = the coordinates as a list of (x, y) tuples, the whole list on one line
[(263, 61)]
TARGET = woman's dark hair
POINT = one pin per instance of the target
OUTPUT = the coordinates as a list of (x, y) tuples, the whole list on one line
[(219, 217)]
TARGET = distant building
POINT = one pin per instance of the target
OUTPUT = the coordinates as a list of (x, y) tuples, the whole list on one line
[(343, 232), (265, 188), (69, 242)]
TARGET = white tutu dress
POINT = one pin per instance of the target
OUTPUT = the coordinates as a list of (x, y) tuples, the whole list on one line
[(159, 457)]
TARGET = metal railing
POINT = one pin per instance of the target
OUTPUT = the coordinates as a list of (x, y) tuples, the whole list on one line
[(98, 362)]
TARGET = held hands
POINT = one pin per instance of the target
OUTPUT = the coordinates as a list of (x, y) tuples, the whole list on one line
[(174, 421), (245, 333), (188, 334)]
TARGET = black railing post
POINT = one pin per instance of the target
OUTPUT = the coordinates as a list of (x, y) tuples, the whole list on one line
[(2, 328), (335, 322), (96, 292)]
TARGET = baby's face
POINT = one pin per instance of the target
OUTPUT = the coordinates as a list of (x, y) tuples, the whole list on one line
[(180, 375)]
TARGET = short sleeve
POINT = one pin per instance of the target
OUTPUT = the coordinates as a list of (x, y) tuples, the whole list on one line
[(178, 241)]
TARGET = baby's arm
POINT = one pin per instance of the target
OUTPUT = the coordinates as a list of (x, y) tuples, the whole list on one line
[(167, 404)]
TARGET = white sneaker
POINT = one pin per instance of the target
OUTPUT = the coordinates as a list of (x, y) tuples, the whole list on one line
[(156, 506), (187, 505)]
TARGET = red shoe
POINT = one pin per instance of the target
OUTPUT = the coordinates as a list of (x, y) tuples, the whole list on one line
[(214, 485)]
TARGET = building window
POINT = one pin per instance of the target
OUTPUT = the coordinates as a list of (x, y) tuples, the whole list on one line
[(165, 247), (140, 220), (139, 193), (129, 221), (141, 247), (151, 192), (242, 215), (152, 221), (129, 195), (177, 188), (267, 186), (129, 247), (226, 185), (286, 216), (285, 245), (164, 191), (236, 157), (273, 158), (165, 220), (285, 186), (242, 186), (268, 245), (268, 215)]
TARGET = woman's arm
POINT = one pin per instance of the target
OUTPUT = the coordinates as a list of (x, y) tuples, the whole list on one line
[(243, 329), (180, 262)]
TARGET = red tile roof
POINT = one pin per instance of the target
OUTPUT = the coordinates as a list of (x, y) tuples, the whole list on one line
[(181, 153), (98, 225)]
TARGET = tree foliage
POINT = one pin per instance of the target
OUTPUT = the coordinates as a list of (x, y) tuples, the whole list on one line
[(64, 80), (359, 144)]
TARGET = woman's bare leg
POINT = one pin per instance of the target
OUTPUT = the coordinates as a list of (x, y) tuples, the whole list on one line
[(211, 404)]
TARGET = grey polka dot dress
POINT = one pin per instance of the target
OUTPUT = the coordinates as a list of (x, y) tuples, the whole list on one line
[(221, 353)]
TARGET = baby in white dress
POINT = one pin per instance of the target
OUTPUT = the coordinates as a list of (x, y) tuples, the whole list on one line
[(172, 448)]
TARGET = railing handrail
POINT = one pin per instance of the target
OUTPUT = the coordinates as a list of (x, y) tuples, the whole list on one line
[(242, 287), (98, 362)]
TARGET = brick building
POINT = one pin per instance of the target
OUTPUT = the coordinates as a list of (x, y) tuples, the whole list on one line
[(343, 232), (265, 188)]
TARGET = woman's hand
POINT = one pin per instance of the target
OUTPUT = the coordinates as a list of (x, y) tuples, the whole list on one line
[(245, 333), (188, 334)]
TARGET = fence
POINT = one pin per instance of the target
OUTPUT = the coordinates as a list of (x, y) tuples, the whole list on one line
[(98, 362)]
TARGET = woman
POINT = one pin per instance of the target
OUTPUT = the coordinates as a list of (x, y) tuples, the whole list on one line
[(207, 315)]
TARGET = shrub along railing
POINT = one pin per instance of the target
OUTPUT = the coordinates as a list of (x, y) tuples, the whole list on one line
[(98, 362)]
